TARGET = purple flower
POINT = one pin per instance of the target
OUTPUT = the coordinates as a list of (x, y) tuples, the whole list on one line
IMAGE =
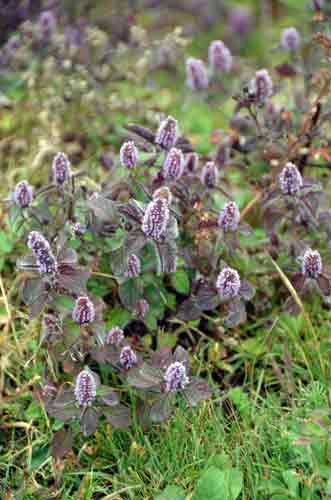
[(173, 166), (222, 154), (85, 388), (261, 86), (290, 39), (167, 133), (191, 163), (229, 217), (61, 169), (41, 249), (163, 193), (209, 175), (78, 229), (156, 218), (23, 194), (142, 308), (228, 283), (115, 336), (129, 154), (47, 22), (311, 264), (134, 266), (175, 377), (83, 312), (128, 357), (290, 180), (240, 21), (196, 74), (317, 4), (220, 58)]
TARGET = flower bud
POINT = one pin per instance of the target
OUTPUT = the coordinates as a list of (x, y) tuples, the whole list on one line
[(23, 194), (261, 86), (115, 336), (47, 23), (220, 58), (61, 169), (290, 180), (229, 217), (191, 163), (209, 175), (167, 133), (128, 358), (83, 312), (222, 154), (311, 264), (129, 154), (290, 39), (85, 388), (240, 21), (317, 4), (175, 377), (134, 266), (228, 283), (156, 218), (173, 167), (196, 74)]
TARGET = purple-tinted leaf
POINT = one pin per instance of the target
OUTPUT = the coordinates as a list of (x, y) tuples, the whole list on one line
[(162, 358), (197, 390), (189, 310), (131, 211), (118, 416), (129, 293), (324, 218), (144, 377), (73, 279), (286, 70), (182, 356), (324, 284), (167, 252), (62, 443), (108, 396), (245, 229), (207, 297), (291, 307), (27, 263), (103, 208), (100, 354), (33, 288), (161, 410), (89, 421), (247, 291), (134, 241), (237, 314), (67, 256), (298, 281), (143, 132), (65, 413)]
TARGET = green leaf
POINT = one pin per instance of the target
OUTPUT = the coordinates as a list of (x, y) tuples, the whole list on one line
[(180, 281), (172, 492), (216, 484)]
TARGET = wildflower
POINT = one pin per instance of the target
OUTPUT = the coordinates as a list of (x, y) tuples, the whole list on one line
[(174, 164), (209, 175), (83, 312), (128, 358), (222, 154), (41, 249), (311, 264), (134, 266), (317, 4), (290, 39), (85, 388), (220, 58), (290, 180), (175, 377), (167, 133), (156, 218), (240, 21), (228, 283), (142, 308), (196, 74), (47, 22), (261, 86), (163, 193), (61, 169), (129, 154), (23, 194), (191, 163), (115, 336), (229, 217)]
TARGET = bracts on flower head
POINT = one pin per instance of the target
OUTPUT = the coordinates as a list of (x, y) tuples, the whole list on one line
[(290, 180), (261, 86), (175, 377), (85, 388), (196, 74), (220, 57), (209, 175), (229, 217), (311, 264), (173, 166), (129, 154), (61, 169), (83, 312), (156, 218), (167, 133), (41, 249), (228, 283), (115, 336), (128, 357), (23, 194), (133, 266), (290, 39)]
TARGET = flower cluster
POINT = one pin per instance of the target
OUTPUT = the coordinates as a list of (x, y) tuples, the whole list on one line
[(134, 266), (115, 336), (196, 74), (61, 169), (175, 377), (229, 217), (84, 311), (261, 87), (85, 388), (209, 175), (128, 357), (220, 57), (290, 39), (228, 283), (290, 180), (173, 167), (129, 154), (167, 133), (156, 218), (40, 247), (23, 194), (311, 264)]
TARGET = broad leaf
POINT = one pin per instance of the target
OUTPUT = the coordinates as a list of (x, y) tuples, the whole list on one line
[(197, 390), (62, 443), (216, 484)]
